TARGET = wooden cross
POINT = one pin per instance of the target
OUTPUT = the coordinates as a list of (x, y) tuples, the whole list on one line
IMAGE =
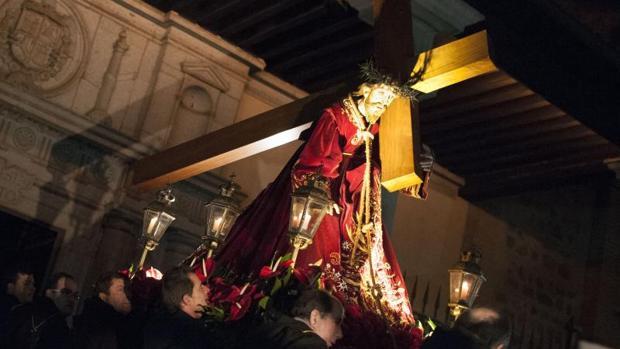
[(443, 66)]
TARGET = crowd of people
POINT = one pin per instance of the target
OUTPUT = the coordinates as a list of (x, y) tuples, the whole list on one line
[(47, 319)]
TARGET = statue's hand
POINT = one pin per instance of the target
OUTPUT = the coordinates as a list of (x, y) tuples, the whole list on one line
[(427, 158)]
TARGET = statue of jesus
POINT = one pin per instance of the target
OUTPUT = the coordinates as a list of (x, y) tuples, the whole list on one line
[(351, 245)]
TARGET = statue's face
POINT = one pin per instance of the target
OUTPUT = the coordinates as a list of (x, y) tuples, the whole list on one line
[(376, 98)]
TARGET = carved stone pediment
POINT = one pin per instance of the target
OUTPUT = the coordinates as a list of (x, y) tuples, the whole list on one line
[(42, 44), (206, 73)]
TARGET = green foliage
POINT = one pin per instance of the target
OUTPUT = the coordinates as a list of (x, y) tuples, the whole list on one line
[(426, 324), (264, 302)]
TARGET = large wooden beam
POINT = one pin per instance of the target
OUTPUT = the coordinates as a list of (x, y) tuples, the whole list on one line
[(268, 130), (496, 138), (454, 62), (395, 55), (301, 19), (227, 145), (501, 110), (523, 162), (508, 124), (468, 106), (286, 47), (529, 150), (225, 8), (469, 88), (333, 66), (402, 121), (252, 19), (323, 53)]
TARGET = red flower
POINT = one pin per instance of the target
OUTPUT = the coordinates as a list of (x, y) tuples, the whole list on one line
[(218, 290), (203, 268), (285, 265), (266, 273), (416, 335), (304, 275), (240, 308), (233, 294)]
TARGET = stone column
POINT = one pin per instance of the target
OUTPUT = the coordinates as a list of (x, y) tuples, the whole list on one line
[(100, 110)]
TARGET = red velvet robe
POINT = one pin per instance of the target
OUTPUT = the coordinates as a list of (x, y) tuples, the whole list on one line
[(262, 230)]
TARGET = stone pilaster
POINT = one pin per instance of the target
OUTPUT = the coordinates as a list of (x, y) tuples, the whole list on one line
[(100, 110)]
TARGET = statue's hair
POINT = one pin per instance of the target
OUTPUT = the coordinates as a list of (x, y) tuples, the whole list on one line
[(372, 75)]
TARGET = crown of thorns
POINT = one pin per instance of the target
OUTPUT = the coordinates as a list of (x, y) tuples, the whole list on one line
[(370, 74)]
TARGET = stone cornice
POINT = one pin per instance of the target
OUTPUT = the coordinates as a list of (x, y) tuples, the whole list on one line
[(174, 20)]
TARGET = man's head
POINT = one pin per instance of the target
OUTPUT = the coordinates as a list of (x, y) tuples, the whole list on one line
[(18, 281), (322, 312), (111, 288), (488, 328), (375, 98), (63, 291), (182, 290)]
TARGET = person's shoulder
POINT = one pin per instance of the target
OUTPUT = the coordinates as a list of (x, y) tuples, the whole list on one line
[(7, 302), (307, 340), (447, 338), (21, 310), (300, 336)]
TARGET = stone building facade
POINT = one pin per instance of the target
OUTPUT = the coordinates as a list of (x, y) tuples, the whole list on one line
[(87, 87)]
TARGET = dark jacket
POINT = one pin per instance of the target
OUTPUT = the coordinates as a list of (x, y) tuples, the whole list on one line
[(7, 303), (174, 331), (287, 333), (38, 325), (102, 327), (448, 339)]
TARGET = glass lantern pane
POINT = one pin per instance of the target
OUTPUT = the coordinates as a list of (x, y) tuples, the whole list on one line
[(165, 219), (316, 212), (455, 286), (476, 289), (229, 220), (155, 224), (470, 284), (215, 217), (148, 224), (298, 205)]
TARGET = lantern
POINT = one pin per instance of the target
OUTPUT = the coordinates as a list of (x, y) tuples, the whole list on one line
[(309, 203), (157, 218), (221, 214), (465, 280)]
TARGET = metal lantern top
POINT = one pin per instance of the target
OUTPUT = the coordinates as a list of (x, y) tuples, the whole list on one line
[(225, 198), (316, 186), (469, 263)]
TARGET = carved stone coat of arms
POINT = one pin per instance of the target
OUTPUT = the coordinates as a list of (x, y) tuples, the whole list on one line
[(40, 42)]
